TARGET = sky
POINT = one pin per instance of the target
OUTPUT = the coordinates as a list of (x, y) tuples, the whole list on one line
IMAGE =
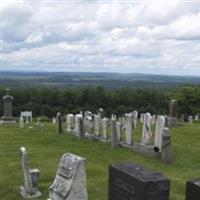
[(156, 37)]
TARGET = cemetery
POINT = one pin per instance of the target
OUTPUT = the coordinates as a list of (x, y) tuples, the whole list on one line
[(86, 155)]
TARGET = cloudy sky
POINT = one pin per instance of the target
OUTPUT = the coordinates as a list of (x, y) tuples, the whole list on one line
[(159, 37)]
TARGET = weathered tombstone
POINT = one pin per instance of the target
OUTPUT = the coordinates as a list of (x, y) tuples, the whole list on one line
[(105, 128), (193, 189), (128, 129), (182, 118), (141, 117), (70, 180), (196, 118), (166, 154), (27, 115), (114, 139), (119, 131), (7, 117), (29, 189), (130, 181), (80, 132), (21, 122), (97, 125), (160, 124), (54, 120), (70, 122), (59, 123), (190, 119), (113, 116), (172, 118), (135, 117), (76, 122), (146, 132)]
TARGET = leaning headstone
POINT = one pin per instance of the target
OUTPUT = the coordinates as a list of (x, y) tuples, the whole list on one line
[(105, 128), (59, 123), (146, 131), (29, 189), (172, 118), (21, 122), (193, 189), (130, 181), (128, 129), (166, 154), (70, 180), (160, 124), (7, 117), (190, 119)]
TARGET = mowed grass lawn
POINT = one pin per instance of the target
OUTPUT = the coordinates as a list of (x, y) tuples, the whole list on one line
[(45, 149)]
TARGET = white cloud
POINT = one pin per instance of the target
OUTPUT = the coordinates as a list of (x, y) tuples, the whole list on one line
[(152, 37)]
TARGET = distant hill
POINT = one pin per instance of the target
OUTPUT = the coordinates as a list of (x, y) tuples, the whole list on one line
[(85, 79)]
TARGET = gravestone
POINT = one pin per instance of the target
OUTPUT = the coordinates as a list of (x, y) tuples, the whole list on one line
[(97, 124), (141, 117), (160, 124), (70, 122), (76, 122), (193, 189), (146, 131), (59, 123), (7, 117), (182, 118), (53, 120), (27, 115), (119, 131), (135, 117), (21, 122), (29, 189), (196, 118), (70, 180), (128, 129), (105, 128), (166, 155), (114, 139), (190, 119), (130, 181), (172, 118)]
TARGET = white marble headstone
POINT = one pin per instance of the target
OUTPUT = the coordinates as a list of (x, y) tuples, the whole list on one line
[(146, 132), (160, 124)]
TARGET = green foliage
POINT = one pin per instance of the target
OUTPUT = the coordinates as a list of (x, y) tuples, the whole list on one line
[(188, 98), (47, 102)]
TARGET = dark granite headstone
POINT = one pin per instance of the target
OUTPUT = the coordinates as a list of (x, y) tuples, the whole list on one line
[(130, 181), (172, 118), (193, 189), (7, 109)]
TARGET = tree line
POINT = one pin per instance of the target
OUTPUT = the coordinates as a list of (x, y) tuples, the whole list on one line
[(47, 102)]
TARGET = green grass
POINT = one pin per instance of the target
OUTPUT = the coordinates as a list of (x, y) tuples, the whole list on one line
[(45, 149)]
